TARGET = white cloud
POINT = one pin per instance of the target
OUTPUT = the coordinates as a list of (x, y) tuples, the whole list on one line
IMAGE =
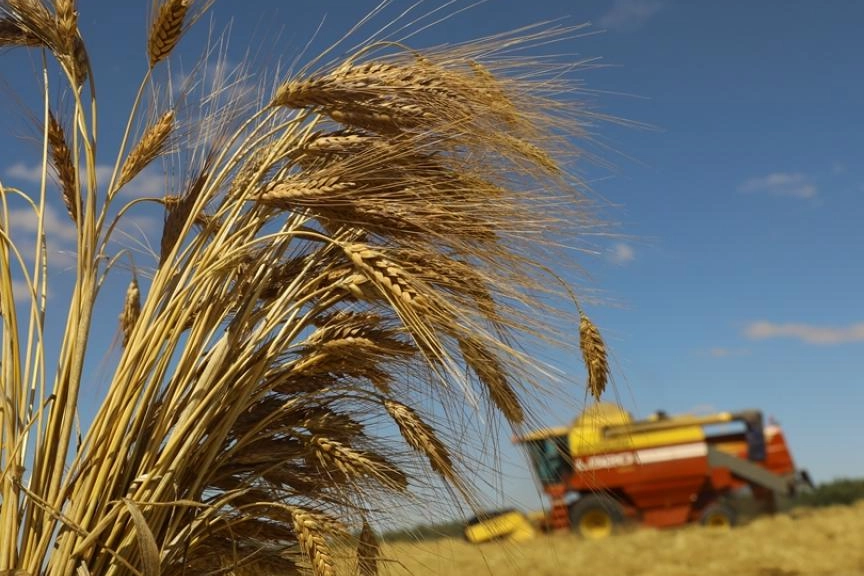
[(103, 174), (790, 184), (807, 333), (21, 291), (622, 253), (59, 231), (33, 174), (56, 225), (720, 352), (629, 14), (149, 182), (21, 171)]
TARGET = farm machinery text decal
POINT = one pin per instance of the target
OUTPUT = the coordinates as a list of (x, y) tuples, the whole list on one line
[(646, 456)]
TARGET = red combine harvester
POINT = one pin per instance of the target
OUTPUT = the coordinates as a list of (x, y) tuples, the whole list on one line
[(662, 471)]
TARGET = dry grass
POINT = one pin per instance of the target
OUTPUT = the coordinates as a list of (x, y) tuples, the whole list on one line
[(805, 543), (345, 277)]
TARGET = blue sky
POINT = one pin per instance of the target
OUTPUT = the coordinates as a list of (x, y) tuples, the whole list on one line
[(735, 280)]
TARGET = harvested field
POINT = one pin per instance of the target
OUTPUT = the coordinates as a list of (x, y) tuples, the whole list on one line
[(805, 542)]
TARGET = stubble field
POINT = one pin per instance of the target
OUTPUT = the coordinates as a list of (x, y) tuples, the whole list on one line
[(805, 542)]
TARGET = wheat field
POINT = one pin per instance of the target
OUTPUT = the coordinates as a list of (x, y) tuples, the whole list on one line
[(805, 542)]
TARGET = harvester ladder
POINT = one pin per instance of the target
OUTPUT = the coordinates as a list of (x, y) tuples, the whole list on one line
[(559, 515)]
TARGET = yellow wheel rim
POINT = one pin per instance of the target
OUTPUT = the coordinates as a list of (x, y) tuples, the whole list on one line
[(595, 524), (717, 521)]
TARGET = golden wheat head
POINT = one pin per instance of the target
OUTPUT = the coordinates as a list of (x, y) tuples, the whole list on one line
[(594, 356), (166, 29)]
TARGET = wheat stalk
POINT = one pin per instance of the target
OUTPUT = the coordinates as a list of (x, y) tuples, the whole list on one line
[(368, 550)]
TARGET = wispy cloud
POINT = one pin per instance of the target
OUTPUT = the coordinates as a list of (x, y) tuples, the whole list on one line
[(621, 254), (629, 14), (792, 184), (135, 231), (149, 182), (21, 291), (25, 173), (32, 174), (56, 225), (720, 352), (807, 333), (60, 234)]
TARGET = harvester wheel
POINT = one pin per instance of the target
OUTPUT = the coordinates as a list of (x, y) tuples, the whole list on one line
[(595, 516), (719, 515)]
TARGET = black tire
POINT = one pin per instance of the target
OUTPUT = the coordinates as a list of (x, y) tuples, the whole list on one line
[(596, 516), (719, 515)]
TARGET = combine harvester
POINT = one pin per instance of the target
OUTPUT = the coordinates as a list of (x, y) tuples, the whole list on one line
[(608, 469)]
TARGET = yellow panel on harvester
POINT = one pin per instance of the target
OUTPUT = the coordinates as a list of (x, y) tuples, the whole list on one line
[(591, 432)]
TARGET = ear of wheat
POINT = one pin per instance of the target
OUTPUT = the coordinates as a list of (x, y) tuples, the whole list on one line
[(594, 356), (365, 251)]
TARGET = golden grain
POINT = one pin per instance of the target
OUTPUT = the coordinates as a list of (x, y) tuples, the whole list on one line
[(355, 464), (67, 23), (307, 527), (483, 361), (296, 190), (13, 34), (152, 144), (166, 29), (386, 274), (177, 212), (594, 356), (131, 310), (421, 437), (62, 160)]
